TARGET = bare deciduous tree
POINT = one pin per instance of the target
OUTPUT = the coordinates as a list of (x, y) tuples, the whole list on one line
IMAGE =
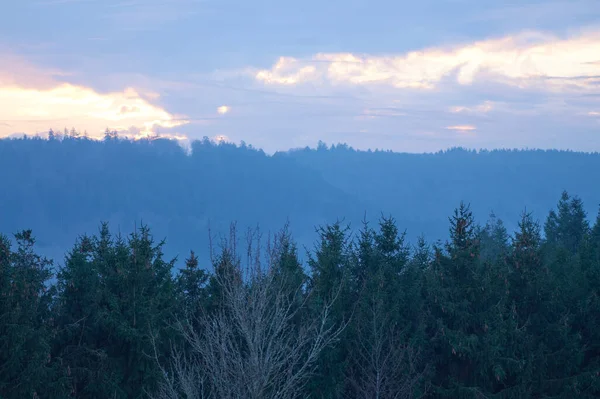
[(251, 346)]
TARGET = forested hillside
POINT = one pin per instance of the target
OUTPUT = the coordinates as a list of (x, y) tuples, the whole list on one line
[(420, 190), (65, 186)]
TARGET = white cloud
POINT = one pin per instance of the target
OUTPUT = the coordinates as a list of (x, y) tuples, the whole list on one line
[(223, 109), (33, 101), (288, 71), (462, 128), (484, 107), (529, 59)]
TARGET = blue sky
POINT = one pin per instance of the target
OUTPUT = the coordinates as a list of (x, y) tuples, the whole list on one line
[(409, 76)]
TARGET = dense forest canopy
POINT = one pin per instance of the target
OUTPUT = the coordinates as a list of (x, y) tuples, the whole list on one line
[(483, 314), (64, 186)]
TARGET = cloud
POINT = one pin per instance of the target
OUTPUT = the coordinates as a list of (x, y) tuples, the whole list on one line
[(462, 128), (484, 107), (33, 101), (529, 59), (15, 71), (223, 109), (288, 71)]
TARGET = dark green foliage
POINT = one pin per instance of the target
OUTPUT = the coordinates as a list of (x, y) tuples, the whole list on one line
[(329, 267), (115, 297), (80, 344), (589, 307), (191, 287), (289, 272), (568, 228), (466, 302), (289, 267), (385, 334), (487, 314), (26, 321), (494, 240)]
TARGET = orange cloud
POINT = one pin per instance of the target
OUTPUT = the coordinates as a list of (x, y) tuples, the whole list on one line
[(528, 59), (33, 100)]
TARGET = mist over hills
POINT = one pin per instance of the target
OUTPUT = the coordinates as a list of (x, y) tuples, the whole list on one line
[(62, 188)]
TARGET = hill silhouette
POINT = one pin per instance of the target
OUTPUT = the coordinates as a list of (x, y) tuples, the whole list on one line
[(61, 188)]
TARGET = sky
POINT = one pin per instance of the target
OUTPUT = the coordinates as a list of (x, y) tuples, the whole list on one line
[(411, 76)]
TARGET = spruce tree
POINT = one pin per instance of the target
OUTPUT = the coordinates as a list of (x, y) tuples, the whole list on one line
[(384, 357), (466, 306), (330, 267), (79, 343), (191, 286), (117, 299)]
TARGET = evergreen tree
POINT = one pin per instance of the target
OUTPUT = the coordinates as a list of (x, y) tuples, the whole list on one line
[(485, 315), (80, 344), (141, 300), (466, 305), (567, 228), (288, 268), (289, 275), (117, 299), (494, 240), (26, 326), (547, 348), (588, 315), (330, 267), (384, 359), (191, 285)]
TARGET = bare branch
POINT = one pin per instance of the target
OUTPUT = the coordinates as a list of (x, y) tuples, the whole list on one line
[(252, 346)]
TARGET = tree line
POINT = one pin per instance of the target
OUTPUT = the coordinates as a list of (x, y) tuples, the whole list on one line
[(485, 314), (65, 185)]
